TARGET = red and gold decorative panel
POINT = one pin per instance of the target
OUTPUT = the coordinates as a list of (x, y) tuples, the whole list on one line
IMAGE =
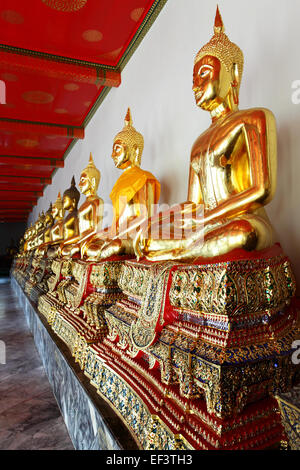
[(100, 31), (58, 59)]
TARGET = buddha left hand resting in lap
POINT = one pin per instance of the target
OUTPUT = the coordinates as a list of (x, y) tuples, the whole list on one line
[(232, 167)]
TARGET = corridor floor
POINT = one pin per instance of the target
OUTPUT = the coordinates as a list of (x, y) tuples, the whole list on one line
[(29, 415)]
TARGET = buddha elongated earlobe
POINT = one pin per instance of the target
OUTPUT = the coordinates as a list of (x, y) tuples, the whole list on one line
[(136, 155), (235, 83)]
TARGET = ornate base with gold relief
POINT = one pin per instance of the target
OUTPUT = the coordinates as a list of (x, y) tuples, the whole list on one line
[(22, 269), (189, 355), (60, 269), (161, 419), (31, 274), (40, 287), (75, 308), (215, 337), (289, 404), (36, 285)]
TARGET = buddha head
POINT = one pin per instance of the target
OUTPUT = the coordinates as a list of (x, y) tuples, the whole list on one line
[(71, 197), (57, 208), (218, 70), (89, 179), (128, 146), (40, 222), (49, 216)]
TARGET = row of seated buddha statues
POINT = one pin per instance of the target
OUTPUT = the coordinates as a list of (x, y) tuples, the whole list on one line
[(189, 337)]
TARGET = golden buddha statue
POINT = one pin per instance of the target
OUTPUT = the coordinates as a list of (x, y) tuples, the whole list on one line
[(70, 202), (133, 196), (40, 227), (49, 220), (45, 236), (56, 232), (90, 213), (31, 237), (21, 246), (26, 238), (232, 168)]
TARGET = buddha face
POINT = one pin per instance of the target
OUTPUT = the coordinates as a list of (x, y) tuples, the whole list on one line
[(84, 183), (54, 211), (48, 218), (68, 202), (211, 83), (120, 155)]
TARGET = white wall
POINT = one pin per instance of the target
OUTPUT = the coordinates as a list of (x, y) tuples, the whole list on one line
[(157, 85)]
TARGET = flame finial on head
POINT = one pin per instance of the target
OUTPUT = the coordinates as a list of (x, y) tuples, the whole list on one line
[(91, 163), (72, 191), (222, 48), (58, 203), (128, 118), (219, 25)]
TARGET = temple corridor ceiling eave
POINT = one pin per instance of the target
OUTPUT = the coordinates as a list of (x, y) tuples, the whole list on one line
[(53, 88)]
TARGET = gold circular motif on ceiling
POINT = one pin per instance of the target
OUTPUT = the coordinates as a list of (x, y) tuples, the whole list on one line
[(71, 86), (136, 13), (65, 5), (111, 54), (60, 111), (29, 143), (92, 35), (87, 103), (12, 17), (37, 97), (9, 77)]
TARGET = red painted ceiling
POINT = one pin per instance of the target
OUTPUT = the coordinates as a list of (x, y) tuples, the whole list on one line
[(57, 58)]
